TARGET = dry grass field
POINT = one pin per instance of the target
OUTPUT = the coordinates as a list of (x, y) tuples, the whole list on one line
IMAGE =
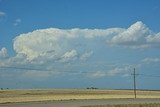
[(38, 95)]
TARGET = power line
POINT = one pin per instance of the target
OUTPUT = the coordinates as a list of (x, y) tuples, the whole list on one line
[(61, 71), (150, 75), (34, 69), (76, 72), (21, 68)]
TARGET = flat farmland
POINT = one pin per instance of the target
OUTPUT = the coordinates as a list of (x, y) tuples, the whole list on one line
[(45, 95)]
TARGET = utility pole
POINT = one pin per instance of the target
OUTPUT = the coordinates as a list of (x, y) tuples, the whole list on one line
[(134, 77)]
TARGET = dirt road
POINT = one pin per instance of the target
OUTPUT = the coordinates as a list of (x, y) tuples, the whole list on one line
[(79, 103)]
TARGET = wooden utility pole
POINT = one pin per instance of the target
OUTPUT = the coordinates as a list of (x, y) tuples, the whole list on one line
[(134, 77)]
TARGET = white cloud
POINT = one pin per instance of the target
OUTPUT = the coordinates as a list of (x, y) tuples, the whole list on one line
[(3, 53), (137, 35), (154, 40), (86, 55), (39, 43), (97, 74), (52, 43), (53, 46), (151, 60), (68, 56), (118, 71), (17, 22)]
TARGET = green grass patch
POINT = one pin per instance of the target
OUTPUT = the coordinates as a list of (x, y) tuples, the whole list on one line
[(127, 105)]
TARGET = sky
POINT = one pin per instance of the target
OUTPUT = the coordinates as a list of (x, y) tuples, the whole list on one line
[(79, 43)]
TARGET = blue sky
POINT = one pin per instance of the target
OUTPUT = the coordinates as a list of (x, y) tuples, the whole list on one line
[(79, 43)]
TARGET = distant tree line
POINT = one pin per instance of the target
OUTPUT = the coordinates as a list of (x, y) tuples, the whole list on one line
[(91, 88), (4, 88)]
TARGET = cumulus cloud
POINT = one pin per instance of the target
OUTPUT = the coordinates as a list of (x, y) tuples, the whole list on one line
[(68, 56), (3, 53), (154, 40), (151, 60), (53, 46), (56, 42), (137, 35)]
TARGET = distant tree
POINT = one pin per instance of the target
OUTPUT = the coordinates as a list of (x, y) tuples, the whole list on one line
[(91, 88)]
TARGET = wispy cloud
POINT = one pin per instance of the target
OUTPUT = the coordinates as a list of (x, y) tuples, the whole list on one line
[(112, 72), (97, 74), (38, 75), (155, 8), (2, 13), (151, 60), (86, 55), (17, 22), (3, 53)]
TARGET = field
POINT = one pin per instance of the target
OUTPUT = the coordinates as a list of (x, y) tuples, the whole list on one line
[(39, 95)]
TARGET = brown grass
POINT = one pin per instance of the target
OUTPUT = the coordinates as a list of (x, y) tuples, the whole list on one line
[(13, 96)]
